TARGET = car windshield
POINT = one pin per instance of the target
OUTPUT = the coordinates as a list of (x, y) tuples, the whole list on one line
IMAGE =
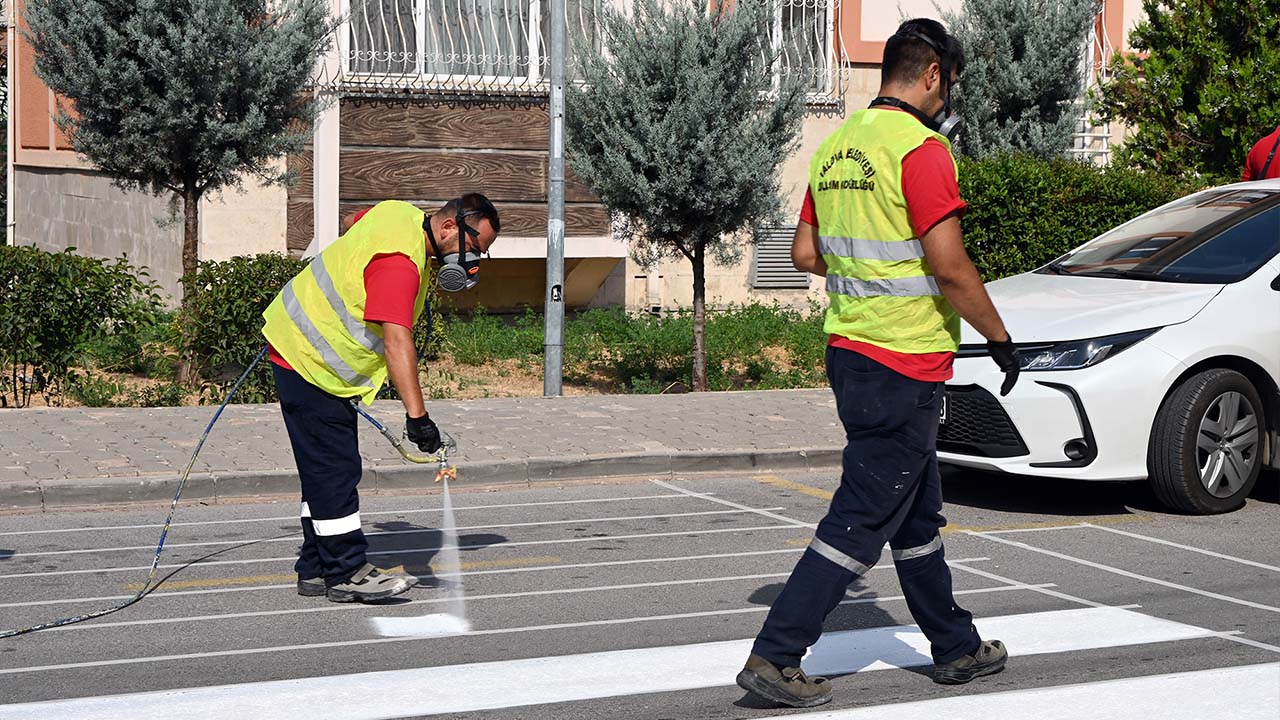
[(1180, 243)]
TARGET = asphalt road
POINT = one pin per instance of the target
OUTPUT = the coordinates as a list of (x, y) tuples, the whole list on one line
[(637, 600)]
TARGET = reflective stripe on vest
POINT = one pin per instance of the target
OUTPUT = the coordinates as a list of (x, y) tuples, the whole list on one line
[(316, 338), (871, 249), (919, 286), (357, 328)]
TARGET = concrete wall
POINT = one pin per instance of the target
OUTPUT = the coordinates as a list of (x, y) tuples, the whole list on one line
[(57, 208), (248, 221)]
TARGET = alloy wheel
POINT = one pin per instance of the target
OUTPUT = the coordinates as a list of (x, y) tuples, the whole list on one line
[(1227, 444)]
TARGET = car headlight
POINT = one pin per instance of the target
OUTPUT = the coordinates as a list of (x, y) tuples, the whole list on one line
[(1077, 354)]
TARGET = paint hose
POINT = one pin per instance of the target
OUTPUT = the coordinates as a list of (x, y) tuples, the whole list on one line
[(164, 533)]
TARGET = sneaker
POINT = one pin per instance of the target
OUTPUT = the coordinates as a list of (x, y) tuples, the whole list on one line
[(989, 659), (788, 686), (311, 587), (369, 583)]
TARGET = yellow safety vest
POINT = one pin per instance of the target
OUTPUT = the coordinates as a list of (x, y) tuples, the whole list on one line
[(882, 291), (317, 324)]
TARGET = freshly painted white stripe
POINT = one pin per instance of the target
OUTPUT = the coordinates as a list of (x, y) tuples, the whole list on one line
[(409, 551), (432, 601), (1251, 692), (337, 526), (305, 512), (1180, 546), (514, 683), (294, 537), (412, 511), (1126, 573)]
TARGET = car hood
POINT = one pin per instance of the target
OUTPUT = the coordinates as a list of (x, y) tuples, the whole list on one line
[(1053, 308)]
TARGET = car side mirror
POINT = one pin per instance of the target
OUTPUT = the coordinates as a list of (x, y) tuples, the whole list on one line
[(1275, 284)]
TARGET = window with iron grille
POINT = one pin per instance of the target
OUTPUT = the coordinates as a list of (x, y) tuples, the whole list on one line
[(433, 42), (801, 40), (771, 268)]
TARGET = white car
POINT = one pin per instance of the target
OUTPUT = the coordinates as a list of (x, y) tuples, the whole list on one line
[(1152, 351)]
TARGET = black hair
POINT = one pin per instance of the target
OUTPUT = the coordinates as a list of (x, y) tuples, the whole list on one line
[(917, 44), (473, 204)]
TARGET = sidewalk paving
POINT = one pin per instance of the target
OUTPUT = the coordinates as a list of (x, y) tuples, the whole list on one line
[(52, 457)]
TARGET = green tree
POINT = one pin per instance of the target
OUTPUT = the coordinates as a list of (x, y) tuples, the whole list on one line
[(181, 96), (1022, 87), (680, 129), (1201, 87)]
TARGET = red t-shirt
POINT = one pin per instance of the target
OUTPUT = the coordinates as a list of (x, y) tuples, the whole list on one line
[(1258, 158), (390, 285), (932, 193)]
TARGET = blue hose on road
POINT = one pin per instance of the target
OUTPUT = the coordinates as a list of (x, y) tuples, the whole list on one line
[(155, 563)]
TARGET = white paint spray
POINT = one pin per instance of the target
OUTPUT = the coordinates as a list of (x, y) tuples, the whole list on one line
[(454, 620)]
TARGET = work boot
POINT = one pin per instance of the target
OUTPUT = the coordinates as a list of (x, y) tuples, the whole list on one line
[(368, 584), (311, 587), (788, 686), (988, 659)]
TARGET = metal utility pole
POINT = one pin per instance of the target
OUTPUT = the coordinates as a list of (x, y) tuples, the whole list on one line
[(553, 330)]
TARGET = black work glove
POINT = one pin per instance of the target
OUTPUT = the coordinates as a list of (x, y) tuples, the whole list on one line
[(1005, 354), (422, 432)]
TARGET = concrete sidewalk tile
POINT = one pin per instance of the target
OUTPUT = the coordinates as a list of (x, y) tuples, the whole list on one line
[(101, 491), (241, 483), (620, 465), (21, 496)]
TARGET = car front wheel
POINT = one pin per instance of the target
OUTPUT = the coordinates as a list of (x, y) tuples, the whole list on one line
[(1206, 444)]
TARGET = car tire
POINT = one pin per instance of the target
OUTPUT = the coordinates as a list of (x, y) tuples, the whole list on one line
[(1200, 460)]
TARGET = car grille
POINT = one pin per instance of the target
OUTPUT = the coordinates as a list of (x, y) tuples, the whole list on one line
[(978, 425)]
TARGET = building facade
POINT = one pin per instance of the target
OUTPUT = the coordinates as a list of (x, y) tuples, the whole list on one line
[(426, 99)]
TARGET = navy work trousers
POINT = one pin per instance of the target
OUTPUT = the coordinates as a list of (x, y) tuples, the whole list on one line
[(322, 431), (890, 492)]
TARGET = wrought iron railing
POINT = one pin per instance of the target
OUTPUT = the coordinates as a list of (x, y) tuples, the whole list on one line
[(499, 47), (1092, 139)]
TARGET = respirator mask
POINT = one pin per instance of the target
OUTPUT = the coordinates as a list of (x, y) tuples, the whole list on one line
[(458, 270)]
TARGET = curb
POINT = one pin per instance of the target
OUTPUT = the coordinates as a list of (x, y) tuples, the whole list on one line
[(47, 495)]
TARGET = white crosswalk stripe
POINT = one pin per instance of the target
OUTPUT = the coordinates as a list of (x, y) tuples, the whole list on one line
[(513, 683)]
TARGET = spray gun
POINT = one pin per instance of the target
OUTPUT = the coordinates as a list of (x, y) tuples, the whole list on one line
[(441, 456)]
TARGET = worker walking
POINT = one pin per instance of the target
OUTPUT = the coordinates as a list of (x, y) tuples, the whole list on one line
[(336, 332), (881, 223)]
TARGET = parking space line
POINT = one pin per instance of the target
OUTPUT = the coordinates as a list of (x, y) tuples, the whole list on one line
[(408, 551), (493, 631), (377, 513), (730, 503), (491, 596), (1128, 574), (1232, 636), (1180, 546), (291, 577), (536, 568), (415, 531)]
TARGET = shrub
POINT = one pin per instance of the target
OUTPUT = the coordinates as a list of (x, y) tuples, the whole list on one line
[(93, 391), (54, 303), (221, 330), (147, 348), (1024, 212), (168, 394)]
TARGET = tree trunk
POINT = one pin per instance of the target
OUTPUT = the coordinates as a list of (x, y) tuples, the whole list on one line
[(190, 259), (699, 318)]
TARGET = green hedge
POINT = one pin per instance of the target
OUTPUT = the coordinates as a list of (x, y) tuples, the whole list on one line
[(1024, 212), (222, 326), (55, 303)]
